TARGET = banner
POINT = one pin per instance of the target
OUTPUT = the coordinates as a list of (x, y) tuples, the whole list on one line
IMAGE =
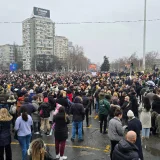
[(41, 12), (92, 67)]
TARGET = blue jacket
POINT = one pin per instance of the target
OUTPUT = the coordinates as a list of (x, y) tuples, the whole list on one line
[(31, 97)]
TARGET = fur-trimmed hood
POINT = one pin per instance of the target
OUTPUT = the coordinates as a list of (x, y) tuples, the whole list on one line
[(113, 105)]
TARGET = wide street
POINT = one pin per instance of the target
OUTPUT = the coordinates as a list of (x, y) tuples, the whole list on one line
[(96, 146)]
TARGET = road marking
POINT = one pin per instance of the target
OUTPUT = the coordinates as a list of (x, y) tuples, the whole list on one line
[(107, 149), (73, 146), (89, 126), (96, 117)]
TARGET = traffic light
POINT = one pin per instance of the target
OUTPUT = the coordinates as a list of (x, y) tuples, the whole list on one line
[(132, 64)]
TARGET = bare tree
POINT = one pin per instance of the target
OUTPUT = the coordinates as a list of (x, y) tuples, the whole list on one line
[(150, 59), (77, 61)]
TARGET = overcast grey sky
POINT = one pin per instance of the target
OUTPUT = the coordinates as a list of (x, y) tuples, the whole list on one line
[(113, 40)]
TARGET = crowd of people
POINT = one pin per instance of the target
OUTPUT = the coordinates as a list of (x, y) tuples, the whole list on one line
[(42, 104)]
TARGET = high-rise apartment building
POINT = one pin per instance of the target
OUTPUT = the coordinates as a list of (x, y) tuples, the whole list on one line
[(61, 47), (38, 37)]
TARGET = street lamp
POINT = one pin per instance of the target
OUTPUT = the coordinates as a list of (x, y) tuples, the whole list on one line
[(144, 34)]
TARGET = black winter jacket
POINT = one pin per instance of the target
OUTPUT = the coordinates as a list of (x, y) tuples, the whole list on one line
[(52, 102), (61, 129), (156, 106), (86, 102), (64, 102), (125, 108), (5, 135), (125, 150), (77, 110), (45, 107), (135, 105)]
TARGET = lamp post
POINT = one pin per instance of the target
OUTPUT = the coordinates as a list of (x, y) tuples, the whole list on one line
[(144, 34)]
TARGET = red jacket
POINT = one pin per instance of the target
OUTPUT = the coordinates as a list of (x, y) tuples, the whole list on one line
[(70, 97)]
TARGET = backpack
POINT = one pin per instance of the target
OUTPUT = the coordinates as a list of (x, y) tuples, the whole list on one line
[(13, 109), (102, 106)]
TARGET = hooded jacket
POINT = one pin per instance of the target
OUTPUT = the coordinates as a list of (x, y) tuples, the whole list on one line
[(125, 150), (77, 110)]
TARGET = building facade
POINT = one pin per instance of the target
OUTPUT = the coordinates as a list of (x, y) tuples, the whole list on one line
[(7, 55), (61, 47), (38, 40)]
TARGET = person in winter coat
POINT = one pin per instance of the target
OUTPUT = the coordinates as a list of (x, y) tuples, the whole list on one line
[(135, 125), (23, 127), (86, 104), (115, 97), (150, 96), (38, 151), (5, 135), (20, 101), (69, 95), (29, 106), (156, 104), (115, 130), (35, 115), (44, 111), (77, 110), (11, 103), (52, 103), (104, 107), (126, 149), (156, 111), (134, 103), (125, 108), (61, 132), (31, 94), (122, 98), (51, 100), (96, 100), (62, 100), (113, 108), (145, 118)]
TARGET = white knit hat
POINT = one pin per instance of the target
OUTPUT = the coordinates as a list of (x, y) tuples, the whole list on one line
[(130, 114)]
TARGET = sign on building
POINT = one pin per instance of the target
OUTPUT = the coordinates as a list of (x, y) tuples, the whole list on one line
[(41, 12), (13, 67)]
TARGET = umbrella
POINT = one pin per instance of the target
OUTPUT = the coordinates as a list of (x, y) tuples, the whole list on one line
[(150, 83)]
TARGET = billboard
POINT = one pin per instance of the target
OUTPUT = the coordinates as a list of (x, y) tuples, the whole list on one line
[(92, 67), (41, 12), (13, 67)]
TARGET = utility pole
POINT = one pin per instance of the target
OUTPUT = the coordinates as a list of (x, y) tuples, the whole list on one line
[(144, 34)]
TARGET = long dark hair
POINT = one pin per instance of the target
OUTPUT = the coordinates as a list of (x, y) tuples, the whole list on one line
[(147, 105), (62, 111), (24, 113)]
